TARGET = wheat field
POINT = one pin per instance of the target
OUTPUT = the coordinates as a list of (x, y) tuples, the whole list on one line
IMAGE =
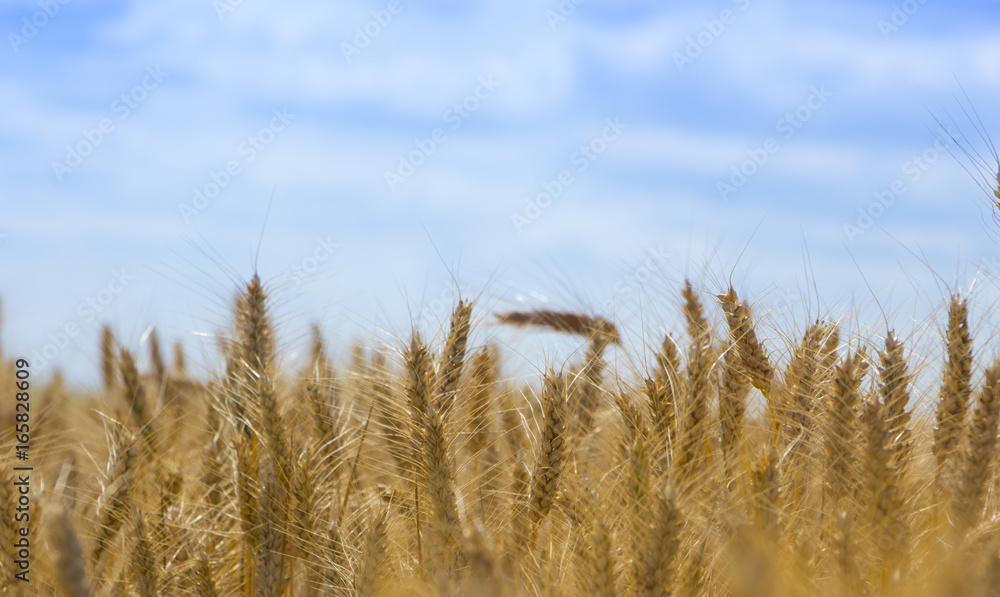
[(729, 465)]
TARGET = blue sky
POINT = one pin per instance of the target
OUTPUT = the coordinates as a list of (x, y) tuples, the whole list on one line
[(533, 153)]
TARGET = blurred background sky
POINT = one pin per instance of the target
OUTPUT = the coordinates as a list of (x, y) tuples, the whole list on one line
[(542, 153)]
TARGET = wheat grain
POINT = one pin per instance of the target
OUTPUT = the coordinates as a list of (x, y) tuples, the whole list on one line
[(694, 313), (485, 364), (755, 359), (550, 458), (693, 445), (115, 496), (956, 388), (894, 390), (663, 390), (842, 433), (108, 365), (136, 399), (734, 387), (453, 359)]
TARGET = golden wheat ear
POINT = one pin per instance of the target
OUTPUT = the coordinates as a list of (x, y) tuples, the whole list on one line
[(108, 363), (137, 400), (756, 362), (156, 359), (550, 457), (660, 540), (433, 471), (563, 321), (116, 495), (980, 450), (956, 388), (453, 358), (484, 374), (734, 389), (841, 431)]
